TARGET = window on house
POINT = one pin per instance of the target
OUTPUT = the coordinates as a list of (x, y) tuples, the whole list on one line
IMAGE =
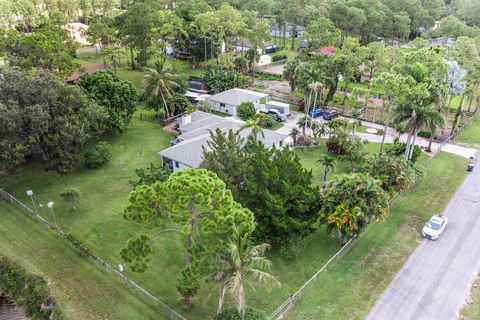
[(281, 143), (176, 164), (222, 105)]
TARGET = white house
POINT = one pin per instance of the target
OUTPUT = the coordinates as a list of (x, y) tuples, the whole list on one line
[(228, 101), (245, 45), (187, 150), (78, 31), (290, 29)]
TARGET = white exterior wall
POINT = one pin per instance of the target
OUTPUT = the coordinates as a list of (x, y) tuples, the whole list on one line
[(181, 166), (228, 109), (231, 109)]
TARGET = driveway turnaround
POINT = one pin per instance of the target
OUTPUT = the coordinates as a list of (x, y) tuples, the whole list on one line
[(437, 278)]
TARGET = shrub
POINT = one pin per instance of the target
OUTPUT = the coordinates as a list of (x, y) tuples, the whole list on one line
[(335, 146), (150, 175), (397, 149), (425, 134), (265, 120), (279, 57), (188, 285), (250, 314), (246, 110), (293, 247), (28, 290), (304, 141), (71, 196), (98, 156)]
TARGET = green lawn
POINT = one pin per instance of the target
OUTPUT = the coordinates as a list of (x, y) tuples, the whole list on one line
[(82, 288), (353, 284), (99, 226), (471, 135), (181, 67), (309, 157), (289, 53)]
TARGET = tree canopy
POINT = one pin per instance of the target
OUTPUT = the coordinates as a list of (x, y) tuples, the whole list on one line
[(44, 120)]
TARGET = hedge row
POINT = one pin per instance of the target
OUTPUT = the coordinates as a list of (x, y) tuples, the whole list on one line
[(29, 291)]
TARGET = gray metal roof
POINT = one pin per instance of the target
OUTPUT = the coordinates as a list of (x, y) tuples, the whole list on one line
[(190, 152), (236, 96)]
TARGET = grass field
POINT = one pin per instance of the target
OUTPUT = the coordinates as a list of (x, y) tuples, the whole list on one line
[(181, 67), (83, 289), (99, 226), (471, 135), (350, 288), (309, 158)]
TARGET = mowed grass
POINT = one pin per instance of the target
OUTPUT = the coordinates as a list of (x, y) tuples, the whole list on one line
[(183, 68), (309, 159), (350, 288), (99, 226), (83, 289), (471, 135)]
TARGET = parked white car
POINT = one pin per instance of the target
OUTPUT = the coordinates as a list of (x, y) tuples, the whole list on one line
[(434, 227)]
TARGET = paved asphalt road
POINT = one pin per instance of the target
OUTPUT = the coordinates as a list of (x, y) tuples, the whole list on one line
[(437, 278)]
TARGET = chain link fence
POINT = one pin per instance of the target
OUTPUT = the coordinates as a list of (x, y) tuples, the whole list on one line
[(172, 314), (281, 311)]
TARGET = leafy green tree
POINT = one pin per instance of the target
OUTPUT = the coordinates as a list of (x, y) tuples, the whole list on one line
[(118, 97), (350, 203), (321, 32), (71, 196), (255, 127), (220, 80), (44, 120), (49, 48), (99, 155), (239, 264), (136, 29), (102, 34), (160, 81), (289, 72), (270, 182), (328, 164), (150, 175), (193, 202), (246, 110)]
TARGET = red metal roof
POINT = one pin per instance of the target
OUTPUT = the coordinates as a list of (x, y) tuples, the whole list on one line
[(327, 51)]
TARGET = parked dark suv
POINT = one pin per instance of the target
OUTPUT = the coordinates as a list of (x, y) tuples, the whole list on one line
[(330, 114)]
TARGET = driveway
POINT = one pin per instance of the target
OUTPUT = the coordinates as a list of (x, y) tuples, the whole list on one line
[(438, 276), (389, 138)]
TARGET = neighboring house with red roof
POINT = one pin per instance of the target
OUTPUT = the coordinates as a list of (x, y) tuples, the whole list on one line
[(89, 70), (327, 51)]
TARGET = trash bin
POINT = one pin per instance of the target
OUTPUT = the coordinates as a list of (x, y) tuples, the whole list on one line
[(470, 167)]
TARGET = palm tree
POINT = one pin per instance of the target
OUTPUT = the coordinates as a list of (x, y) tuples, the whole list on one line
[(316, 88), (237, 265), (294, 134), (159, 81), (320, 130), (256, 128), (328, 164), (415, 117), (434, 122)]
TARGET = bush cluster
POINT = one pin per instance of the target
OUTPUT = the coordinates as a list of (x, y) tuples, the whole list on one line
[(279, 57), (398, 148), (98, 156), (265, 120), (250, 314), (246, 110), (29, 291)]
